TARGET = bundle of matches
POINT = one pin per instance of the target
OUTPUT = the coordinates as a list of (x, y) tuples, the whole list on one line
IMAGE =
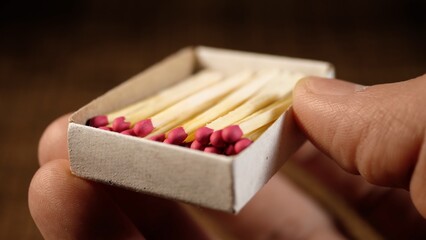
[(212, 113), (121, 120), (236, 130)]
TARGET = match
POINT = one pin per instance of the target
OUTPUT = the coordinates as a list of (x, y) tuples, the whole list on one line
[(257, 133)]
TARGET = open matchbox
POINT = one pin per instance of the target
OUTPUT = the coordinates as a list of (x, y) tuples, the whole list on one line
[(215, 181)]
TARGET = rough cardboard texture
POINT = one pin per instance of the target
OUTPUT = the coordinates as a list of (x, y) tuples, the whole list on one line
[(209, 180)]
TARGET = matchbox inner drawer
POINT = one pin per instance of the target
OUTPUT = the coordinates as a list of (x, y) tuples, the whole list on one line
[(220, 182)]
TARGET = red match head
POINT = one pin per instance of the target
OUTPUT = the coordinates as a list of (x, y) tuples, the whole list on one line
[(216, 139), (232, 134), (212, 150), (197, 145), (143, 128), (177, 135), (202, 135), (241, 145), (129, 132), (230, 150), (98, 121), (158, 138), (168, 141), (119, 125)]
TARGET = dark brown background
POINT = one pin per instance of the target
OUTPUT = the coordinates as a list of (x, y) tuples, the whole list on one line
[(55, 56)]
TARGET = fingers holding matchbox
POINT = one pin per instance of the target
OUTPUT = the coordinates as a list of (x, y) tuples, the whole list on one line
[(206, 126)]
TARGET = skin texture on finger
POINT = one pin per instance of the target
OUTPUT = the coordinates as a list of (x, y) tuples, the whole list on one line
[(64, 206), (278, 211), (383, 207), (376, 131), (53, 142), (155, 217)]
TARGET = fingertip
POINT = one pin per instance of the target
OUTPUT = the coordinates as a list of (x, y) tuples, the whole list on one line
[(301, 94), (302, 85), (373, 131), (49, 184), (53, 142)]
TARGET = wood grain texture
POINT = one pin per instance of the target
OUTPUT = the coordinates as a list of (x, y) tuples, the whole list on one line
[(55, 56)]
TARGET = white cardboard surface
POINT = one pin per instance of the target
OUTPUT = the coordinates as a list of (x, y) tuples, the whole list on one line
[(209, 180)]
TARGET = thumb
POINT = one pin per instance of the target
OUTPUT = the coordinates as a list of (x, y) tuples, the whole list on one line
[(377, 131)]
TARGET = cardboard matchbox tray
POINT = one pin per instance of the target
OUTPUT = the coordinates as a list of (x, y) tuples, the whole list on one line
[(215, 181)]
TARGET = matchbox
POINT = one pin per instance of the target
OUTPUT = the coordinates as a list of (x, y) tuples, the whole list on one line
[(215, 181)]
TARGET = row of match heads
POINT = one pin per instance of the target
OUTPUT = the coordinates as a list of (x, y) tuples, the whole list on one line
[(228, 141)]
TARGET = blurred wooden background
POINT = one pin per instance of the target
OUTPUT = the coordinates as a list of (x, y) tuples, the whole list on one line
[(55, 56)]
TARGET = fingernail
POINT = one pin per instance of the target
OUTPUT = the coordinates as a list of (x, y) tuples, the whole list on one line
[(325, 86)]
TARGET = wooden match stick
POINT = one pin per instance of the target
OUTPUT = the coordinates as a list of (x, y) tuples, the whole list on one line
[(228, 103), (233, 133), (193, 104), (161, 100), (247, 139), (278, 88), (257, 133)]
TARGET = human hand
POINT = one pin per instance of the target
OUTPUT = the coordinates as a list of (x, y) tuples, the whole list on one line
[(67, 207)]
